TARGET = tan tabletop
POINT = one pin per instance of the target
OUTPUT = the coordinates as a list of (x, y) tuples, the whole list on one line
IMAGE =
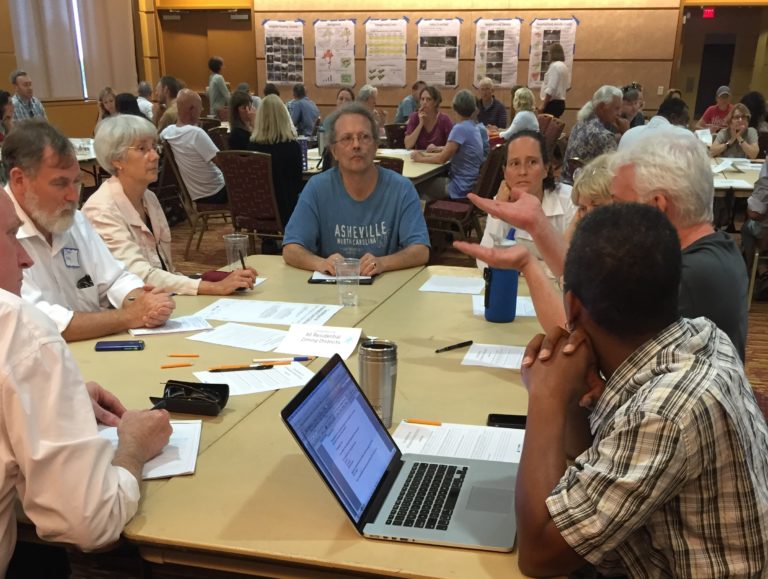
[(260, 508), (748, 175), (416, 172)]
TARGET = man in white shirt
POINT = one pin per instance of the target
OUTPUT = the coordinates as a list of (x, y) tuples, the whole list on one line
[(75, 279), (143, 100), (672, 116), (70, 482), (194, 151)]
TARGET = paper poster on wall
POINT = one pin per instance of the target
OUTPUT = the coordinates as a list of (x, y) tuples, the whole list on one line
[(284, 51), (385, 51), (438, 51), (544, 33), (496, 50), (335, 52)]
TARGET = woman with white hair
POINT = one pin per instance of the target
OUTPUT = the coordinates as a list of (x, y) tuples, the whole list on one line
[(525, 119), (128, 216), (464, 149), (596, 130)]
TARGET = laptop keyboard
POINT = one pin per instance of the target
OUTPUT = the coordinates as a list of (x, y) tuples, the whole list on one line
[(428, 496)]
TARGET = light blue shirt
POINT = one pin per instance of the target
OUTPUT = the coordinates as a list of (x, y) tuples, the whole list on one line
[(407, 106), (304, 113), (465, 164)]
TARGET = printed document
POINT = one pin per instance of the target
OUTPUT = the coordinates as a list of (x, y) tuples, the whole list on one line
[(494, 356), (524, 306), (264, 312), (254, 381), (242, 336), (453, 284), (182, 324), (323, 341)]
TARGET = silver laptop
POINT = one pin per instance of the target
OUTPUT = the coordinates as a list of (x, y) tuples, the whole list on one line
[(387, 495)]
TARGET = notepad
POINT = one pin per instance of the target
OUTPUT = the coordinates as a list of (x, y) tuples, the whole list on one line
[(494, 356), (182, 324)]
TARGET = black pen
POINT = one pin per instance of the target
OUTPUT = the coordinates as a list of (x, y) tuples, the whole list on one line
[(454, 347), (242, 261), (243, 368)]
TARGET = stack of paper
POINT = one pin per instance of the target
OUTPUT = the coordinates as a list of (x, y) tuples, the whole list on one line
[(182, 324)]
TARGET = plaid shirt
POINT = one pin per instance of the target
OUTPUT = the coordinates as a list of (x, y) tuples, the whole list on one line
[(32, 108), (675, 483), (589, 139)]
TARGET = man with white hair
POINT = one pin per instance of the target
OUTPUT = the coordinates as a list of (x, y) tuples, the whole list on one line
[(490, 112), (597, 129), (366, 96)]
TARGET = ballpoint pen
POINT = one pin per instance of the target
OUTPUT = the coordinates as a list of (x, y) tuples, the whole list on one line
[(242, 368), (242, 261), (284, 360), (454, 346)]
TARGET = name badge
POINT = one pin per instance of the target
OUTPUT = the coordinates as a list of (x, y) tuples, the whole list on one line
[(71, 257)]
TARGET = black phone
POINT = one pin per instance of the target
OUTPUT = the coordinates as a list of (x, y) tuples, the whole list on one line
[(119, 345), (507, 420)]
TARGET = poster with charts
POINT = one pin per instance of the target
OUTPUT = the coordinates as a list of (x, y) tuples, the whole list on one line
[(385, 51), (438, 51), (544, 33), (497, 43), (284, 51), (335, 52)]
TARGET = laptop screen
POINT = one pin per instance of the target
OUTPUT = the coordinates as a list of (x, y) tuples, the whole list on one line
[(344, 438)]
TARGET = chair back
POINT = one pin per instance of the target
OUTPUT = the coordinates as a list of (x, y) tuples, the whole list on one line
[(219, 137), (392, 163), (550, 128), (207, 123), (184, 197), (491, 172), (395, 135), (762, 143), (252, 200)]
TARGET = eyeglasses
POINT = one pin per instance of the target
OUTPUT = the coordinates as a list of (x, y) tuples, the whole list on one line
[(348, 140), (146, 150), (740, 117)]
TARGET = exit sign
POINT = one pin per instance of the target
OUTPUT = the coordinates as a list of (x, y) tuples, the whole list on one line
[(708, 13)]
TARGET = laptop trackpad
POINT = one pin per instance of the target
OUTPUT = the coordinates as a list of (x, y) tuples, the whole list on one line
[(491, 500)]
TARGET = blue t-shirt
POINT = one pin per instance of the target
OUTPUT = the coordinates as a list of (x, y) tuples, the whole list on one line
[(327, 220), (465, 164), (304, 114)]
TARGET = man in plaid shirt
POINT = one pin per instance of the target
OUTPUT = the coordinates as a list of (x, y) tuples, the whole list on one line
[(670, 470)]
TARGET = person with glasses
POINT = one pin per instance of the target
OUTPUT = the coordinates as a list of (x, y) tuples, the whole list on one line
[(25, 104), (357, 209), (128, 216), (74, 280), (737, 139)]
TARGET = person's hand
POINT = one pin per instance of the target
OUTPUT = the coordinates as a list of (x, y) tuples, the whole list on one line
[(372, 265), (559, 344), (755, 216), (150, 307), (422, 116), (417, 156), (329, 263), (522, 210), (238, 279), (106, 406), (144, 432), (513, 257), (621, 124)]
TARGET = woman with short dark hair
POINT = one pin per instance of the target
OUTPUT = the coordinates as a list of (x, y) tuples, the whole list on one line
[(428, 126), (218, 93), (241, 115)]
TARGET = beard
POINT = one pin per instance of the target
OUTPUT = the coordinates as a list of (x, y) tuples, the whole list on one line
[(57, 222)]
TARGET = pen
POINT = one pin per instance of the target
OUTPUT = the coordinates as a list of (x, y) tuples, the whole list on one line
[(425, 422), (183, 355), (454, 346), (133, 298), (176, 365), (279, 360), (240, 368), (242, 261), (246, 366)]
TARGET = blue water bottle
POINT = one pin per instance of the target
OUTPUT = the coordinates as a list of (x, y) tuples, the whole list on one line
[(501, 288)]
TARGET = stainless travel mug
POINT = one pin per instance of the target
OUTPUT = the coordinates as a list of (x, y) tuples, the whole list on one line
[(378, 375)]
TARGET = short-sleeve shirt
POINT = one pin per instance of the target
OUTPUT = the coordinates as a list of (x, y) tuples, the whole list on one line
[(438, 136), (715, 117), (194, 151), (407, 106), (494, 114), (675, 482), (465, 164), (589, 138), (556, 81), (328, 220), (735, 150)]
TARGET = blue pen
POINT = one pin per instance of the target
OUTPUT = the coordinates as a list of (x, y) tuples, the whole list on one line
[(293, 359)]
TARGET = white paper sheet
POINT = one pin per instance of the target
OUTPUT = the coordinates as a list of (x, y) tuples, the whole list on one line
[(264, 312), (494, 356), (732, 184), (723, 165), (524, 306), (453, 285), (253, 381), (242, 336), (182, 324), (461, 441), (324, 341), (320, 276), (179, 457), (704, 135)]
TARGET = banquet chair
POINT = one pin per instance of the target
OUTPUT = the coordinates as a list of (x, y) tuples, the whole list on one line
[(395, 135), (252, 199), (197, 213), (207, 123), (219, 137), (392, 163)]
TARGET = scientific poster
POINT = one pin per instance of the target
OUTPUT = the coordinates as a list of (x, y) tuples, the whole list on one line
[(284, 50), (497, 43), (385, 50), (335, 52), (438, 51), (545, 32)]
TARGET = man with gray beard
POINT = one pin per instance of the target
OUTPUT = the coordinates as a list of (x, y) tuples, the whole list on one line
[(75, 279)]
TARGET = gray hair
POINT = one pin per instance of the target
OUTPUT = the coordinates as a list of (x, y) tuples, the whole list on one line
[(604, 95), (464, 103), (523, 99), (16, 74), (145, 89), (485, 82), (366, 93), (115, 134), (351, 109), (677, 164)]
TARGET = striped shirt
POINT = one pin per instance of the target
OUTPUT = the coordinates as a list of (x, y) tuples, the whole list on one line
[(675, 483), (32, 108)]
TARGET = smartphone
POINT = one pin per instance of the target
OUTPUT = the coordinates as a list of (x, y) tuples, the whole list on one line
[(507, 420), (119, 345)]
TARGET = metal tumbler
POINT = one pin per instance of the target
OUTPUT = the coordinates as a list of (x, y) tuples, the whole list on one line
[(378, 375)]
